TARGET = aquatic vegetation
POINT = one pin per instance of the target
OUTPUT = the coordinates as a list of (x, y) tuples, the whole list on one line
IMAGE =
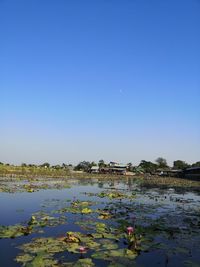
[(31, 185), (130, 230), (82, 249), (116, 255), (14, 231), (84, 263), (74, 242), (112, 195), (115, 231), (86, 211), (77, 207), (40, 220), (104, 215)]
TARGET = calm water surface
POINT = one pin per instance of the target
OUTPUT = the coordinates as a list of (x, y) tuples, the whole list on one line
[(180, 210)]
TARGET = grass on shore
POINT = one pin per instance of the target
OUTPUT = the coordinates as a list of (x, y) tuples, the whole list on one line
[(32, 171)]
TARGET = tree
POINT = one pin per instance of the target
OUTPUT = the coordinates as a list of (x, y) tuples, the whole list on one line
[(161, 162), (101, 163), (23, 165), (83, 166), (197, 164), (32, 165), (64, 166), (180, 165), (129, 167), (56, 167), (148, 166), (45, 165)]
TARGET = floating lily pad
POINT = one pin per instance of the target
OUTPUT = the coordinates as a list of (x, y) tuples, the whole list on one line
[(13, 231), (86, 211), (114, 255), (40, 260), (84, 263)]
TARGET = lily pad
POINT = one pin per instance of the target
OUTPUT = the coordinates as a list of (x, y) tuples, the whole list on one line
[(114, 255), (84, 263)]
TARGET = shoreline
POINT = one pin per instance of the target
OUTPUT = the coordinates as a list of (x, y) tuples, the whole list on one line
[(144, 181)]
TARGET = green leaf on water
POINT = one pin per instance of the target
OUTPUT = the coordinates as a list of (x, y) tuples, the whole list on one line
[(111, 255), (84, 263), (86, 211), (41, 260), (13, 231)]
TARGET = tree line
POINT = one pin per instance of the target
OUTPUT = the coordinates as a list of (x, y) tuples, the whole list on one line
[(144, 166)]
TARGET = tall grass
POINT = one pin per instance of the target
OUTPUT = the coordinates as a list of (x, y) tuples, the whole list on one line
[(33, 171)]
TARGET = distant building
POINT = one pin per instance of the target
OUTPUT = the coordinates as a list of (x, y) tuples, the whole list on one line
[(192, 173), (170, 172), (117, 168), (189, 173), (94, 169), (111, 168)]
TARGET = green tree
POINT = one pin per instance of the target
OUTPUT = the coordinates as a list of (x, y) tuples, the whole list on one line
[(101, 163), (148, 166), (32, 165), (23, 165), (83, 166), (64, 166), (45, 165), (161, 162), (180, 165), (56, 167), (197, 164), (130, 167)]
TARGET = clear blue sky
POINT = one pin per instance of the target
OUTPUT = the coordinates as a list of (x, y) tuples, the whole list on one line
[(112, 79)]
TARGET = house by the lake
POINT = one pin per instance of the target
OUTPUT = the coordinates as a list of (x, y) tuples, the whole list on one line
[(94, 169), (117, 168), (111, 168)]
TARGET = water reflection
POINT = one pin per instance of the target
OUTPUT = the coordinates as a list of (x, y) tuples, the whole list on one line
[(147, 207)]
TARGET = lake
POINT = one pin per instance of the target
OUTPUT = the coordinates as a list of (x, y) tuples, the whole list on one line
[(95, 222)]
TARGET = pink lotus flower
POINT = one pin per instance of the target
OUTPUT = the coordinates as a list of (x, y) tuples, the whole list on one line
[(82, 249), (130, 230)]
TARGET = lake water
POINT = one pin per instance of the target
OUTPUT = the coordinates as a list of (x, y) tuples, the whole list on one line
[(166, 226)]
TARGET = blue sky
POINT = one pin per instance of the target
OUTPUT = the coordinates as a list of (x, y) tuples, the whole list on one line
[(111, 79)]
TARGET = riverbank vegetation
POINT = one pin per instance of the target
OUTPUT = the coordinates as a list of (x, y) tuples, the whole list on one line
[(64, 169), (32, 170), (41, 176)]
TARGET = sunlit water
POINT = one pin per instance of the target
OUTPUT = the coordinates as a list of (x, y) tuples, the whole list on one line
[(150, 205)]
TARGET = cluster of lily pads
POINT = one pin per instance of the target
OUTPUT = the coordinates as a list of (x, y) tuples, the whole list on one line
[(116, 231), (35, 225), (102, 244), (31, 185), (112, 195)]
